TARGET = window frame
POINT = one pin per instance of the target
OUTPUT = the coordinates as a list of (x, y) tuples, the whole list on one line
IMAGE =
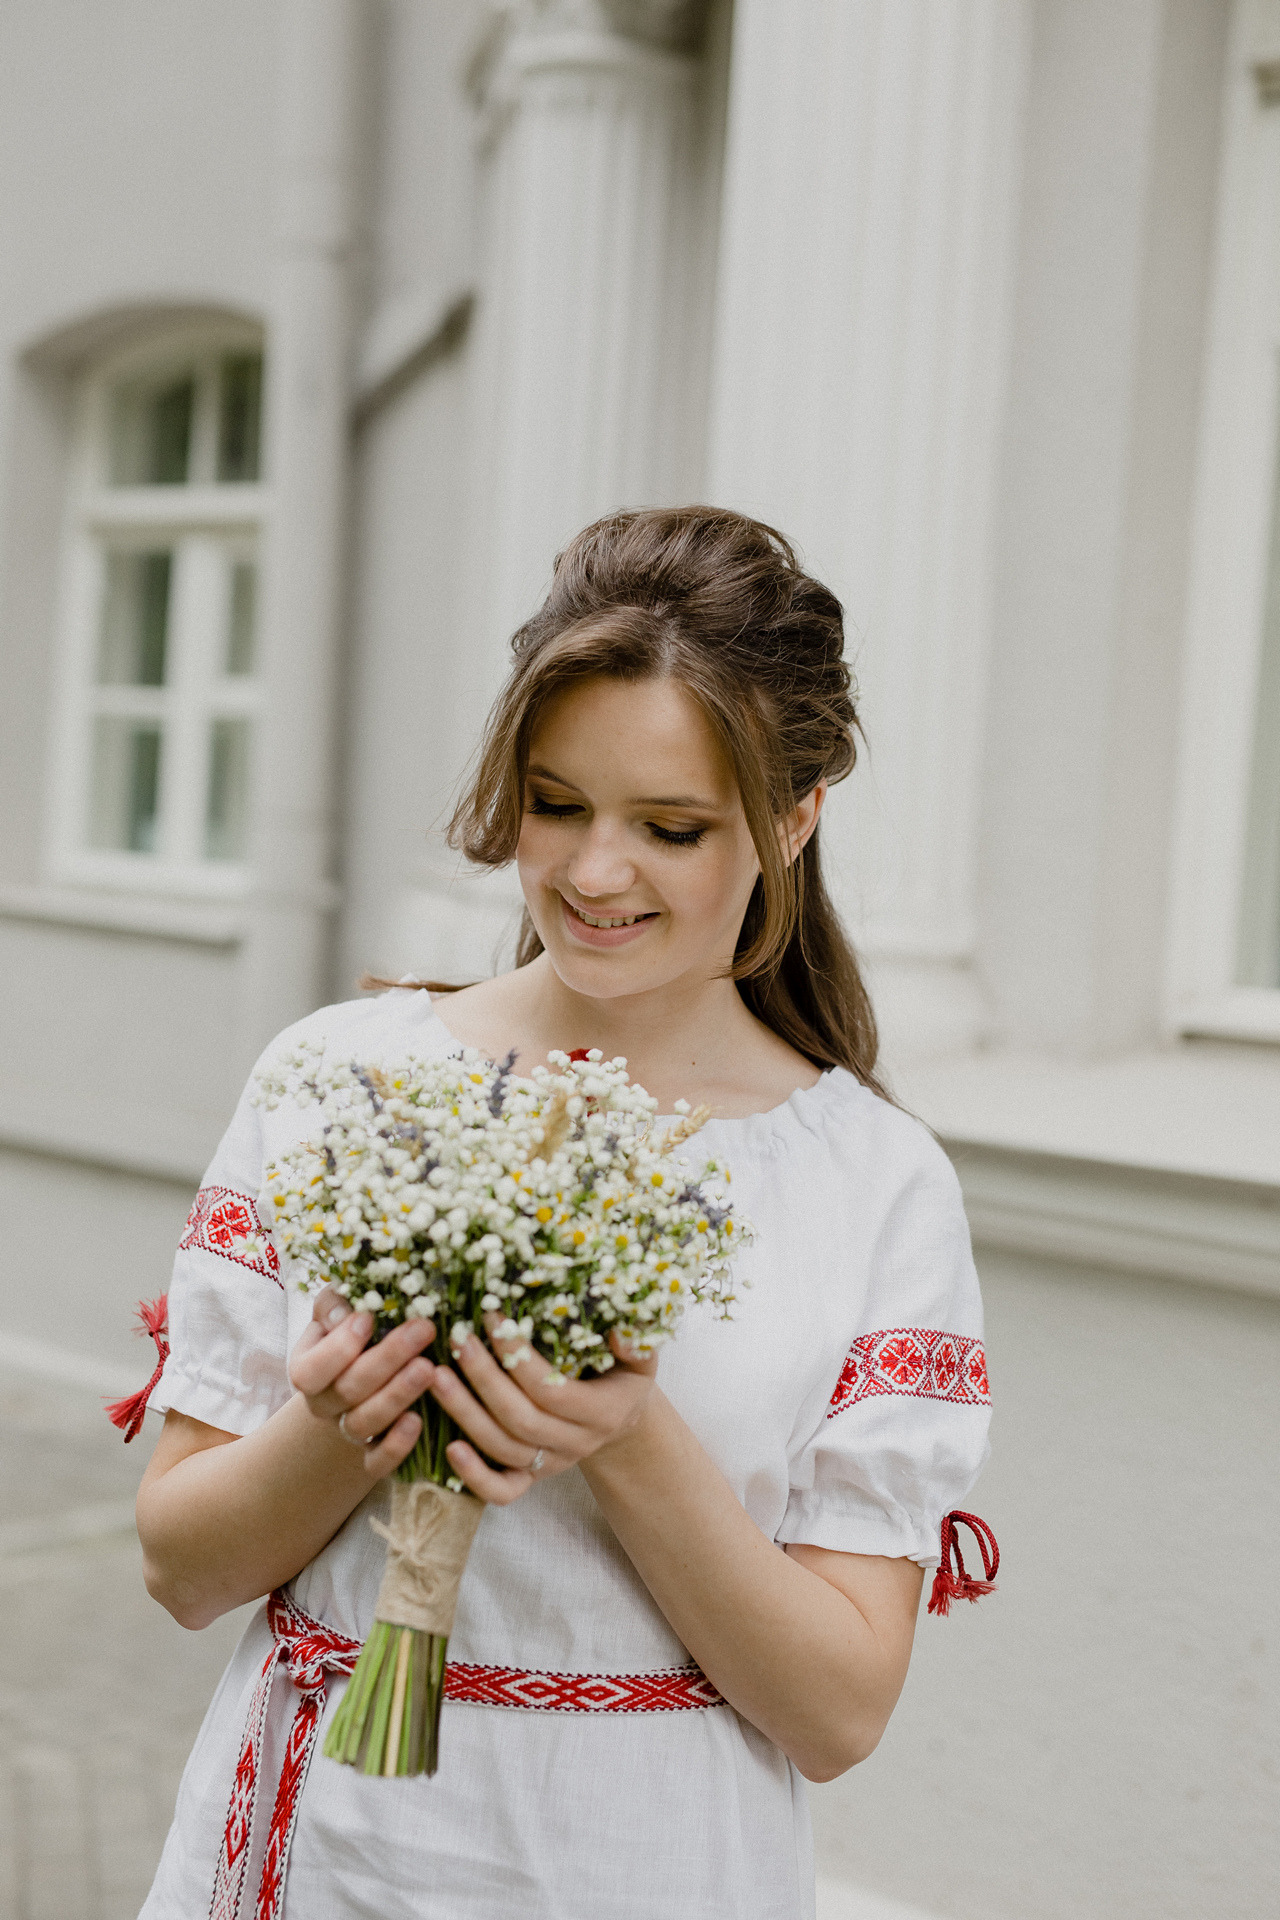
[(199, 520), (1238, 475)]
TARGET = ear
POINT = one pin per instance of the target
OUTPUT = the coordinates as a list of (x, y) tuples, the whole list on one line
[(795, 829)]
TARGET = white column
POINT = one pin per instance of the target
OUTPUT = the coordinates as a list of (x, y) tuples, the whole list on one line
[(588, 355), (307, 439), (861, 337)]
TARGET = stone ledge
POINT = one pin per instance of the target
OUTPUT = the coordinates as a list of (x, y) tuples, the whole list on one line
[(1223, 1233)]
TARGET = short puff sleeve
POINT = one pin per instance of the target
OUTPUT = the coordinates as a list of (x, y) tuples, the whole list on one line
[(904, 1434), (228, 1319)]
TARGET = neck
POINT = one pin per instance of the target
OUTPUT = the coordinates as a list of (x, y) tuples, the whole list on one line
[(686, 1021)]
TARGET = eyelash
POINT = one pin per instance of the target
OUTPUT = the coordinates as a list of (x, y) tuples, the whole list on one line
[(669, 837)]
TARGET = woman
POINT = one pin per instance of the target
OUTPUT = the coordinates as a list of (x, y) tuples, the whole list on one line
[(760, 1499)]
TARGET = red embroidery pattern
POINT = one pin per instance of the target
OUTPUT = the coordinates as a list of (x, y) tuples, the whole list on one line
[(663, 1690), (917, 1361), (221, 1221), (311, 1652)]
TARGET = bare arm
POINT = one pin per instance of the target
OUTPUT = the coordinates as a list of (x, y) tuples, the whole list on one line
[(223, 1520), (809, 1645)]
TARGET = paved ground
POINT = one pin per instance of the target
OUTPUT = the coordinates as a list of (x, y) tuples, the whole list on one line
[(100, 1692)]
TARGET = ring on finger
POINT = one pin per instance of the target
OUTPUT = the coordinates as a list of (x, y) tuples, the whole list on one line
[(352, 1439), (537, 1463)]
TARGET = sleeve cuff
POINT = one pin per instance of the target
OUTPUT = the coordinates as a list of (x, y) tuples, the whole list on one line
[(213, 1398), (854, 1527)]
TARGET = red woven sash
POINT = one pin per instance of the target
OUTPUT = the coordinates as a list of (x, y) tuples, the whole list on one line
[(312, 1652)]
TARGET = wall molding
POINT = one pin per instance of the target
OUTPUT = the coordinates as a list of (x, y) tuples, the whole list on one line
[(1222, 1233), (191, 922), (151, 1145)]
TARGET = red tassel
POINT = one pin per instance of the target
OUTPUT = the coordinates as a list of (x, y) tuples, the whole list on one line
[(953, 1582), (153, 1318), (579, 1053)]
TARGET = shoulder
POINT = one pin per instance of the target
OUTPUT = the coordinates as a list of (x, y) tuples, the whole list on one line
[(401, 1020), (869, 1137)]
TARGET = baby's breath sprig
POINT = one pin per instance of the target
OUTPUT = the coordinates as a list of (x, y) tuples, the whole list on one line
[(455, 1189)]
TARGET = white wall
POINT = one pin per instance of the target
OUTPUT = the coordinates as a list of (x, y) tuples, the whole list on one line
[(134, 144), (1096, 1741), (1119, 171)]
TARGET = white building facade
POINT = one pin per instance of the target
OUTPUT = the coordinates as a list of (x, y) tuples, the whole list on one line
[(323, 323)]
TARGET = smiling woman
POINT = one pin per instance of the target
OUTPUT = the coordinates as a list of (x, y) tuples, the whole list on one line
[(741, 658), (697, 1580)]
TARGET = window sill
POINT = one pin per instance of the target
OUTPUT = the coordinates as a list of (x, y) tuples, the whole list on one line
[(1242, 1013), (192, 922), (111, 1135), (1161, 1163)]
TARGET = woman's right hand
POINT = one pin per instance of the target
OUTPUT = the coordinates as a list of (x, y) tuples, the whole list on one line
[(370, 1390)]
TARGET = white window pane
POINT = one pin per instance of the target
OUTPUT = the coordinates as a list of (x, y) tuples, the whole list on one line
[(242, 617), (226, 816), (125, 787), (239, 416), (133, 641), (151, 431)]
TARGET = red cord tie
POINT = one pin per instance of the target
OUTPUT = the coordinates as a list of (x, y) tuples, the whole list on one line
[(952, 1582), (153, 1318)]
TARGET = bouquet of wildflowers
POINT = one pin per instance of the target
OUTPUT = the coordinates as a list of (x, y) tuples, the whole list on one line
[(454, 1190)]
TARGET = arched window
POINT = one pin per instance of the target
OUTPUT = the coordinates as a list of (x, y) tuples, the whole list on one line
[(160, 616)]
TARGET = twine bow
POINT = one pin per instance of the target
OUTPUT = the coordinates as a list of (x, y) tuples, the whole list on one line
[(428, 1541)]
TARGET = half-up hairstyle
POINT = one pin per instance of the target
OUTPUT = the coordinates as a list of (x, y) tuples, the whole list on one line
[(719, 603)]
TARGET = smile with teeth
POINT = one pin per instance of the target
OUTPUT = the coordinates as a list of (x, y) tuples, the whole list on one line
[(596, 920)]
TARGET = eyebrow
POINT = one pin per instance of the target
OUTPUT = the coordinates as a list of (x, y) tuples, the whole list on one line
[(685, 800)]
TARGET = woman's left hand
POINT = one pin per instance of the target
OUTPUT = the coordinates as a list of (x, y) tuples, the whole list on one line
[(532, 1420)]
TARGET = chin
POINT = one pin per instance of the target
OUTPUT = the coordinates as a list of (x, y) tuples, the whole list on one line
[(598, 976)]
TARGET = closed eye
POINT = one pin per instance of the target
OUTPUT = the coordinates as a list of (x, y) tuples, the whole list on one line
[(565, 809), (673, 837), (555, 810)]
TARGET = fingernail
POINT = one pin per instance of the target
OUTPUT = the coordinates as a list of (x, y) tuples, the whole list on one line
[(362, 1324), (338, 1311), (443, 1382)]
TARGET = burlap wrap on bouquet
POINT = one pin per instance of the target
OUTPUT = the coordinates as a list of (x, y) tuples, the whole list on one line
[(427, 1546)]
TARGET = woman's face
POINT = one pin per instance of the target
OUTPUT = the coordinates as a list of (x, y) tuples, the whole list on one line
[(635, 857)]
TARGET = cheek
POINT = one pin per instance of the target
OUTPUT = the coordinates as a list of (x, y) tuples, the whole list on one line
[(714, 887), (535, 849)]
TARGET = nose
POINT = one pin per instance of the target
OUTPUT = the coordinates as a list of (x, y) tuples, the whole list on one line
[(600, 865)]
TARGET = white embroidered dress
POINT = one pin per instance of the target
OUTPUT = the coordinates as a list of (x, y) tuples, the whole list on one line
[(846, 1403)]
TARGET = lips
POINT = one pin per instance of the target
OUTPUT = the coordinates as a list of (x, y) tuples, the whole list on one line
[(603, 930)]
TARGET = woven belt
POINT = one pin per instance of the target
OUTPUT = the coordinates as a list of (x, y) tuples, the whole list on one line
[(312, 1652)]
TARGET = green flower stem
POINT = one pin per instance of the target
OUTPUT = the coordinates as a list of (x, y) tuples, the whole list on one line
[(359, 1730)]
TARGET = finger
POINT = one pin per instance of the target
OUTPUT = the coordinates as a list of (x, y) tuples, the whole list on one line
[(631, 1358), (579, 1403), (506, 1393), (376, 1414), (373, 1367), (394, 1446), (509, 1444), (329, 1309), (497, 1489), (319, 1357)]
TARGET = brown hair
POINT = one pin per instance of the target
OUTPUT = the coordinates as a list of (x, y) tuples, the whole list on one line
[(720, 603)]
